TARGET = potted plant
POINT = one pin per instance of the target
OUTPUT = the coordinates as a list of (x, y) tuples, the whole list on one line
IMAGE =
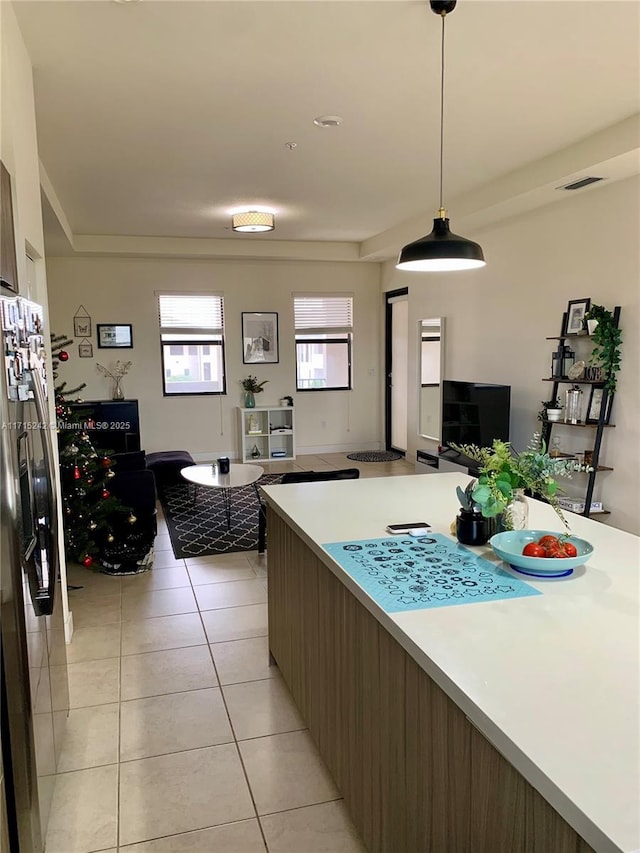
[(471, 526), (251, 387), (551, 410), (505, 475), (607, 338)]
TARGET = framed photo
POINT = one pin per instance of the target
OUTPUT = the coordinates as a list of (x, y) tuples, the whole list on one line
[(81, 323), (85, 349), (595, 406), (576, 309), (259, 338), (8, 263), (115, 336)]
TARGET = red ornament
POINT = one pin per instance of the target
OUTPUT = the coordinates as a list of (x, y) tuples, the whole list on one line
[(63, 355), (106, 493), (88, 561), (106, 462), (76, 473)]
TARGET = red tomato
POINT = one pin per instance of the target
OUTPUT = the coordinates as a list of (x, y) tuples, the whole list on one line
[(570, 549), (548, 541), (557, 552), (532, 549)]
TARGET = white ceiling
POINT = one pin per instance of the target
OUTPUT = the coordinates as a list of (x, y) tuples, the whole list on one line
[(155, 118)]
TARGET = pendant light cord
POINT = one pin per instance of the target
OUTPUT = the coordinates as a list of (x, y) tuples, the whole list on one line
[(442, 212)]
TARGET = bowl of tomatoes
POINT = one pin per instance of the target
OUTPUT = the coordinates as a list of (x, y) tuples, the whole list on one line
[(541, 553)]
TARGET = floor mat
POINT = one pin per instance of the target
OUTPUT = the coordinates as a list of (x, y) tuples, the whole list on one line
[(375, 456), (199, 527)]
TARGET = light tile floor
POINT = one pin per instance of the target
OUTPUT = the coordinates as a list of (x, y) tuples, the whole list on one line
[(180, 736)]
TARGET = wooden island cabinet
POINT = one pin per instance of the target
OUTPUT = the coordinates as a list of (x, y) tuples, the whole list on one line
[(459, 729)]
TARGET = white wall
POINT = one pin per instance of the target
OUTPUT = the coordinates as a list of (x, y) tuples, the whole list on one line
[(122, 290), (497, 319), (19, 153)]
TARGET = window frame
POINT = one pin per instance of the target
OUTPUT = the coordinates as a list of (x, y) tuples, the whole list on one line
[(189, 342), (314, 335)]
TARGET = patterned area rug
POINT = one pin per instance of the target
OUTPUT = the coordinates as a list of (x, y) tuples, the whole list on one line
[(374, 456), (200, 528)]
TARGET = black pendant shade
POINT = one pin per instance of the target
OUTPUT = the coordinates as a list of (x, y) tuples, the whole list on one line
[(441, 250)]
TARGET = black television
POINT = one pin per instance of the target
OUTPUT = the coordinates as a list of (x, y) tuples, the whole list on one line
[(474, 413)]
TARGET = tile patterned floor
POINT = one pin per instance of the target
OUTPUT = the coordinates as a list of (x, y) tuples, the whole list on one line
[(181, 737)]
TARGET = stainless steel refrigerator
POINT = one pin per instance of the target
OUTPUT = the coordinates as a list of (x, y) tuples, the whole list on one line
[(35, 696)]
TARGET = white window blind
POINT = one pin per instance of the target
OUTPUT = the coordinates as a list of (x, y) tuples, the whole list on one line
[(191, 311), (323, 313)]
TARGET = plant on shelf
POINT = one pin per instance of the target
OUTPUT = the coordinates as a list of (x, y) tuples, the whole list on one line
[(250, 383), (251, 387), (504, 474), (607, 339), (554, 406)]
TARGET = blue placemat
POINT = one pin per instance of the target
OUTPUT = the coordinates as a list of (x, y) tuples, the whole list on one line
[(403, 573)]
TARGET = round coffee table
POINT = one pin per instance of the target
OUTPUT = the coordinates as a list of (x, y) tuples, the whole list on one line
[(209, 477)]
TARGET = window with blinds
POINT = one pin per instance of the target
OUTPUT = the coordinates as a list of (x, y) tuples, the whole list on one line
[(192, 343), (324, 334)]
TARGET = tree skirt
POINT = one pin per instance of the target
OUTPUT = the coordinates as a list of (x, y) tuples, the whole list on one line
[(374, 456), (200, 528)]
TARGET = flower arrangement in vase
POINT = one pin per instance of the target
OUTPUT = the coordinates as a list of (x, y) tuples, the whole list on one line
[(505, 476), (251, 387), (120, 370)]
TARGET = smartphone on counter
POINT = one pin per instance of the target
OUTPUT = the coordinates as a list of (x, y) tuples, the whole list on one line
[(406, 528)]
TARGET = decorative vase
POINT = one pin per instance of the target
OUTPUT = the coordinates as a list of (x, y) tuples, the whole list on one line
[(255, 452), (592, 325), (554, 415), (516, 514), (118, 393), (472, 528), (249, 400)]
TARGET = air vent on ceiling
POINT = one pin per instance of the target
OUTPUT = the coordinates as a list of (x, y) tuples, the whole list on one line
[(582, 182)]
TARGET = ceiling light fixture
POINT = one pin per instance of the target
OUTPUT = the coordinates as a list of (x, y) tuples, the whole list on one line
[(253, 220), (441, 251)]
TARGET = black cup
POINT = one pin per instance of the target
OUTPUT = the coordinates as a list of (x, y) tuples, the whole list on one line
[(223, 464)]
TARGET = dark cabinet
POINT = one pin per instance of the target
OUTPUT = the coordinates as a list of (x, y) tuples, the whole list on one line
[(113, 425)]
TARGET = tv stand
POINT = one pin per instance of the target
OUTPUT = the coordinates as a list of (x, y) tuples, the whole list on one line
[(451, 460)]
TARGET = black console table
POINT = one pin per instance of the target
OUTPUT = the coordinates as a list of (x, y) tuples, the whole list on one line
[(113, 425)]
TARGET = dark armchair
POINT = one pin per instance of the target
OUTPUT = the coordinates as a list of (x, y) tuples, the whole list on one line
[(302, 477)]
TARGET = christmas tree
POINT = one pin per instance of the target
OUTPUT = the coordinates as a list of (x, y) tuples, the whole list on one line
[(97, 527)]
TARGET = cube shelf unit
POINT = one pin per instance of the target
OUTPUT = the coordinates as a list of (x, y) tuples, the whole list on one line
[(269, 428)]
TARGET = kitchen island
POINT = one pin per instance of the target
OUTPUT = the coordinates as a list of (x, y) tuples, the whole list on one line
[(507, 726)]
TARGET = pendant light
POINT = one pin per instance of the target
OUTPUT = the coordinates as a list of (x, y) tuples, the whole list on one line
[(441, 250)]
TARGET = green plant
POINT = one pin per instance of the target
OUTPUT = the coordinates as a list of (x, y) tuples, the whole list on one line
[(607, 339), (548, 404), (465, 496), (250, 383), (503, 471)]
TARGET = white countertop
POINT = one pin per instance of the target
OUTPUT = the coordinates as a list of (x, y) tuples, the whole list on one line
[(551, 680)]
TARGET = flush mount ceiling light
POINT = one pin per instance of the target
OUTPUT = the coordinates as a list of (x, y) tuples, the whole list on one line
[(441, 250), (253, 220), (328, 121)]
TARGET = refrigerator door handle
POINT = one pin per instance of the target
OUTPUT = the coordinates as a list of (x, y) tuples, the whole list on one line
[(43, 599)]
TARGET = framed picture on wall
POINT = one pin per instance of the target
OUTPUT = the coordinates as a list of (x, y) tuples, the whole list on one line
[(81, 323), (115, 336), (259, 337), (85, 349)]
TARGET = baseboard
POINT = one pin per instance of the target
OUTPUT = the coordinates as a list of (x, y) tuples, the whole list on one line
[(339, 448)]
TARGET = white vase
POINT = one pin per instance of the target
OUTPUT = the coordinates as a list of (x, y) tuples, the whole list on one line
[(554, 414), (592, 325)]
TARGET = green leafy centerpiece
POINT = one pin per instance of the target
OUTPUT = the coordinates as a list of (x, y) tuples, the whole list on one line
[(505, 475)]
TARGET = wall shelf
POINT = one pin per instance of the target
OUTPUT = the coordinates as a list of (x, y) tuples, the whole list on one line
[(599, 426)]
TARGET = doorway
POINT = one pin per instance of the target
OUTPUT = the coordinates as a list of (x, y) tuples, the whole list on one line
[(396, 364)]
